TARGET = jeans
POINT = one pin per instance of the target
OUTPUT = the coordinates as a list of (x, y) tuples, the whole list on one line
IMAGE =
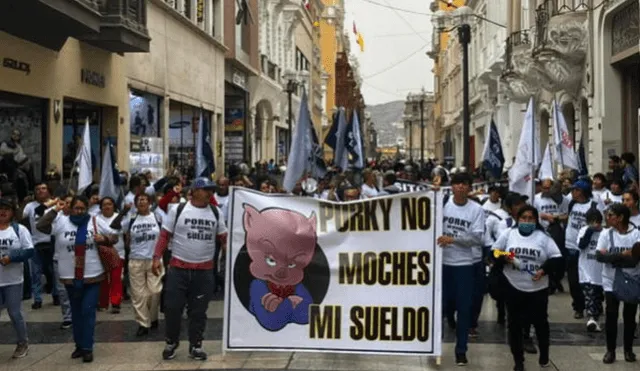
[(111, 288), (11, 298), (479, 289), (611, 322), (42, 263), (527, 308), (457, 292), (574, 283), (193, 288), (83, 310), (65, 305)]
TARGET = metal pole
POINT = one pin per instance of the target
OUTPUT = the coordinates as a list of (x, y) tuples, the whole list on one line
[(422, 131), (465, 39), (410, 142), (290, 135)]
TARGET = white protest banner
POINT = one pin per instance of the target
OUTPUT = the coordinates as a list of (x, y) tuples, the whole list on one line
[(354, 277), (410, 186)]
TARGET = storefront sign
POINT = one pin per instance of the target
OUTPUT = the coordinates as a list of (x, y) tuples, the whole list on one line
[(17, 65), (337, 295), (92, 78), (239, 79)]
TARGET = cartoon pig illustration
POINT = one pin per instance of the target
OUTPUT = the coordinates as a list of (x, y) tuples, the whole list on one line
[(281, 244)]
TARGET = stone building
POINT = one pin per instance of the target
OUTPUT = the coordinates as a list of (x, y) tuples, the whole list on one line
[(419, 128)]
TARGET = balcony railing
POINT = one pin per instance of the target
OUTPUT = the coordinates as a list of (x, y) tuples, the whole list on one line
[(516, 39), (551, 8)]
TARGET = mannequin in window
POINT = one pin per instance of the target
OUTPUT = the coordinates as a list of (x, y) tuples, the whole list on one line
[(15, 163)]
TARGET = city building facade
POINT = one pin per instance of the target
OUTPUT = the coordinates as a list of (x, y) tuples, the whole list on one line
[(419, 126), (52, 81), (181, 80)]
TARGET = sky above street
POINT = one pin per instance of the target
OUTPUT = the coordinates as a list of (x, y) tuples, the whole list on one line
[(394, 62)]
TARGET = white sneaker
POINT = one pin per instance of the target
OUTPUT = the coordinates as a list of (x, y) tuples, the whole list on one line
[(593, 325)]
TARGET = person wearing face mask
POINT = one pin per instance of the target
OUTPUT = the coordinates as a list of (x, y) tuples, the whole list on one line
[(590, 270), (15, 249), (619, 238), (529, 255), (111, 289), (81, 270)]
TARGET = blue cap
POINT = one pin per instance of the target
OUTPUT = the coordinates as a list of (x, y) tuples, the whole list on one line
[(203, 183), (582, 185)]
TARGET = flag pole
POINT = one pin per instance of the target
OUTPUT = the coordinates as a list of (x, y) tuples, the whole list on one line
[(533, 149), (556, 130)]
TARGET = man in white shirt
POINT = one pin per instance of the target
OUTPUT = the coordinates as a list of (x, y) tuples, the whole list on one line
[(463, 227), (192, 229)]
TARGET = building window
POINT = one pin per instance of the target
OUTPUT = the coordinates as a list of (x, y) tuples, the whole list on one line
[(187, 9), (302, 63), (75, 114), (145, 110)]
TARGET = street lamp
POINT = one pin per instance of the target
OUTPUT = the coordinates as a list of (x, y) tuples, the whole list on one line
[(407, 123), (459, 19)]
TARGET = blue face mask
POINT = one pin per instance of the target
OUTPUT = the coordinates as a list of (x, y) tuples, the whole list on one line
[(526, 228)]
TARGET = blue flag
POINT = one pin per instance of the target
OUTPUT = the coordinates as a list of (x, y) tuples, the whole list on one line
[(353, 142), (493, 157), (205, 166), (582, 158), (341, 154), (318, 165), (332, 136)]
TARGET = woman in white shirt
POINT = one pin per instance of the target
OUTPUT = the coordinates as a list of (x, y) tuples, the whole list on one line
[(531, 255), (79, 266), (618, 239), (111, 289), (142, 232), (16, 248)]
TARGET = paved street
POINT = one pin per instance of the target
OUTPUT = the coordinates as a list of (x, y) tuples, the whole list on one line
[(118, 349)]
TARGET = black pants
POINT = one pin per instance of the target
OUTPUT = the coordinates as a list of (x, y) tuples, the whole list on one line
[(575, 289), (526, 308), (166, 257), (611, 322), (193, 288)]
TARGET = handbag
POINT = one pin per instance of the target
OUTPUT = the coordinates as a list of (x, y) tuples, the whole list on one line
[(108, 254), (626, 287)]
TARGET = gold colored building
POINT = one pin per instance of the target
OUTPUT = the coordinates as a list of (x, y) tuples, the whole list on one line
[(441, 144)]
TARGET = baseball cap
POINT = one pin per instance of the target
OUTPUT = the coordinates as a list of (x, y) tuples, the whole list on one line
[(513, 198), (582, 185), (203, 183), (7, 202)]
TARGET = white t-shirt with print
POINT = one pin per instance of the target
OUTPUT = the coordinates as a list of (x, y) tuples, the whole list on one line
[(589, 269), (65, 235), (13, 273), (577, 220), (368, 192), (599, 193), (194, 236), (621, 243), (531, 253), (635, 219), (29, 212), (104, 228), (491, 233), (489, 207), (546, 205), (463, 222), (143, 236)]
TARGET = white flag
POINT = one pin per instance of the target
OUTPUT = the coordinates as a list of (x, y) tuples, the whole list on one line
[(565, 151), (521, 175), (546, 169), (108, 186), (301, 147), (85, 173)]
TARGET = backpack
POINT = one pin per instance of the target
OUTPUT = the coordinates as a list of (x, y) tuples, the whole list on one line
[(16, 229)]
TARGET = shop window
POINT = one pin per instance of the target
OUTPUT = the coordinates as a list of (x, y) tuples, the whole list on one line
[(75, 115), (26, 116), (145, 114), (183, 131)]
